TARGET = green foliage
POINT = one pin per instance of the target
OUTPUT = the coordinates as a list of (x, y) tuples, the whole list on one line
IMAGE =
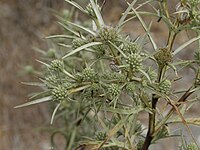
[(99, 80)]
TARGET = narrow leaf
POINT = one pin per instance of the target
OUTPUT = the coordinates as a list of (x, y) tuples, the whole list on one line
[(81, 48), (145, 74), (81, 27), (60, 36), (185, 44), (76, 5), (145, 28), (68, 74), (33, 84), (192, 121), (54, 113), (124, 55), (68, 29), (43, 63), (78, 89), (41, 100), (122, 19), (98, 14)]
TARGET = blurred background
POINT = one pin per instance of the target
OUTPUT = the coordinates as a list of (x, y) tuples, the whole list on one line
[(23, 25)]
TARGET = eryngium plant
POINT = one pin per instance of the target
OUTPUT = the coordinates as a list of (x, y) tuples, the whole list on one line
[(99, 80)]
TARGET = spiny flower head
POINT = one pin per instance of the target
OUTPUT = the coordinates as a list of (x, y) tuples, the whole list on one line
[(165, 86), (78, 42), (131, 47), (59, 93), (163, 56), (113, 90), (134, 61), (56, 65), (51, 81), (88, 74), (108, 33)]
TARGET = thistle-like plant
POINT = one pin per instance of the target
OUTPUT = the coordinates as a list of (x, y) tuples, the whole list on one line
[(100, 80)]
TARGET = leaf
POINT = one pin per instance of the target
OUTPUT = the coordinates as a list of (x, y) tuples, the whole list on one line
[(145, 28), (68, 74), (78, 89), (54, 113), (76, 5), (39, 50), (33, 84), (145, 74), (98, 14), (40, 95), (81, 27), (124, 111), (123, 54), (81, 48), (64, 45), (41, 100), (122, 19), (185, 44), (47, 65), (192, 121), (68, 29), (60, 36)]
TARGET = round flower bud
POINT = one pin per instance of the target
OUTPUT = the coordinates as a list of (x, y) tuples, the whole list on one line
[(100, 136), (108, 34), (163, 56), (76, 43), (59, 93), (183, 13), (134, 61), (164, 87), (56, 65), (29, 69), (131, 47), (113, 90), (192, 146), (88, 74)]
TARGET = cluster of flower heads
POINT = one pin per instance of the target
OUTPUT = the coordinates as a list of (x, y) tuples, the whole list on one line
[(110, 81)]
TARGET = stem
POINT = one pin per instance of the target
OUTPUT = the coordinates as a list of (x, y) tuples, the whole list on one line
[(152, 116), (151, 127)]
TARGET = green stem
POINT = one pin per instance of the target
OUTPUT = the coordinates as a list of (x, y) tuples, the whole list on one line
[(73, 135)]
